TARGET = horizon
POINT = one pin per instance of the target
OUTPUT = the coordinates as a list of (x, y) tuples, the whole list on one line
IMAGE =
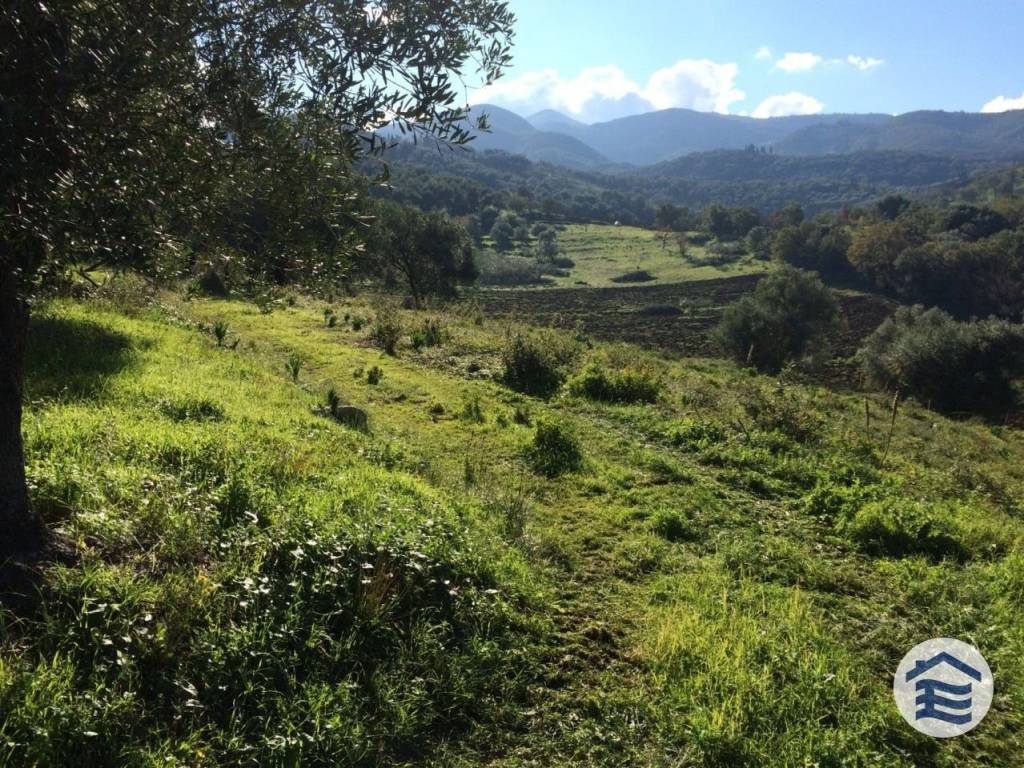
[(811, 60), (528, 116)]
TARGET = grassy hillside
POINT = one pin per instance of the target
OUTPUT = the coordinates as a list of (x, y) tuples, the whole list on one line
[(729, 578)]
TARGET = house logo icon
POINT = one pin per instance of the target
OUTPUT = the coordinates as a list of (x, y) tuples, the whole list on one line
[(943, 687)]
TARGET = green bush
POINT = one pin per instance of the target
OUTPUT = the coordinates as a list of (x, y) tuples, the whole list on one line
[(626, 385), (787, 318), (947, 364), (387, 328), (555, 450), (535, 361)]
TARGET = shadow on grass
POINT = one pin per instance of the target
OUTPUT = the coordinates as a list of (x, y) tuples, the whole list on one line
[(72, 359)]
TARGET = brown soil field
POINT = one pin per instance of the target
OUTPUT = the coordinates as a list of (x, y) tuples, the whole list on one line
[(673, 318)]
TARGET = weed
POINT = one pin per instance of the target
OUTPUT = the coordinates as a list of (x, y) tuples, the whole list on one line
[(387, 328), (293, 366), (473, 409), (694, 435), (430, 334), (628, 385), (555, 450), (220, 332)]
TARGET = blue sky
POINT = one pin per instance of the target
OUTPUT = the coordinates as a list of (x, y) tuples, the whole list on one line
[(595, 59)]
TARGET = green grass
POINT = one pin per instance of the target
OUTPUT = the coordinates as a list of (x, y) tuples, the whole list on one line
[(603, 252), (724, 579)]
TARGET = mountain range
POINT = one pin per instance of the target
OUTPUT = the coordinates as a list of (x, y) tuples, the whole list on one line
[(656, 137)]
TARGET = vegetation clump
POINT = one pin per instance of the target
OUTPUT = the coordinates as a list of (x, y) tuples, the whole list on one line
[(535, 361), (625, 385), (900, 528), (787, 318), (430, 334), (387, 328), (674, 526), (555, 449), (950, 365)]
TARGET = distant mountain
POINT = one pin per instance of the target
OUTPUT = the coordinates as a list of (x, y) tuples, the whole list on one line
[(511, 133), (655, 137), (552, 120), (957, 134), (889, 167)]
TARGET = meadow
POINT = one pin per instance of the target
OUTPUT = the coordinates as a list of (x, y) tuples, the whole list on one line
[(725, 576), (606, 256)]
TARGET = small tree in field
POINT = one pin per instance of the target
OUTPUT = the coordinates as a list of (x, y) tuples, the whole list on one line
[(429, 252), (788, 316), (131, 129)]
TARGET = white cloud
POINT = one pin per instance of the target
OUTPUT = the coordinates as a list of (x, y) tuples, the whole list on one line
[(792, 103), (696, 84), (604, 93), (764, 52), (1004, 104), (864, 63), (798, 62)]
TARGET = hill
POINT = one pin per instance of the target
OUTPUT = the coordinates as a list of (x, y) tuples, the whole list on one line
[(954, 134), (463, 181), (259, 584), (510, 133), (655, 137)]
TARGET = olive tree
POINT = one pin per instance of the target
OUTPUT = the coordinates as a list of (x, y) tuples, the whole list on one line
[(129, 129)]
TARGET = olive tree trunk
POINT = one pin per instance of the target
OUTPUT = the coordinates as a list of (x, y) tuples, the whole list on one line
[(21, 531)]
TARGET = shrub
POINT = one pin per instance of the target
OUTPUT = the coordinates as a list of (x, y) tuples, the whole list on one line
[(374, 375), (627, 385), (358, 323), (387, 328), (784, 412), (555, 450), (535, 362), (950, 365), (787, 318)]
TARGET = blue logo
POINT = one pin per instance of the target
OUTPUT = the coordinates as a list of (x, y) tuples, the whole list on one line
[(943, 687)]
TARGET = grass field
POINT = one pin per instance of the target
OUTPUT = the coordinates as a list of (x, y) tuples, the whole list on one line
[(728, 580), (603, 252)]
